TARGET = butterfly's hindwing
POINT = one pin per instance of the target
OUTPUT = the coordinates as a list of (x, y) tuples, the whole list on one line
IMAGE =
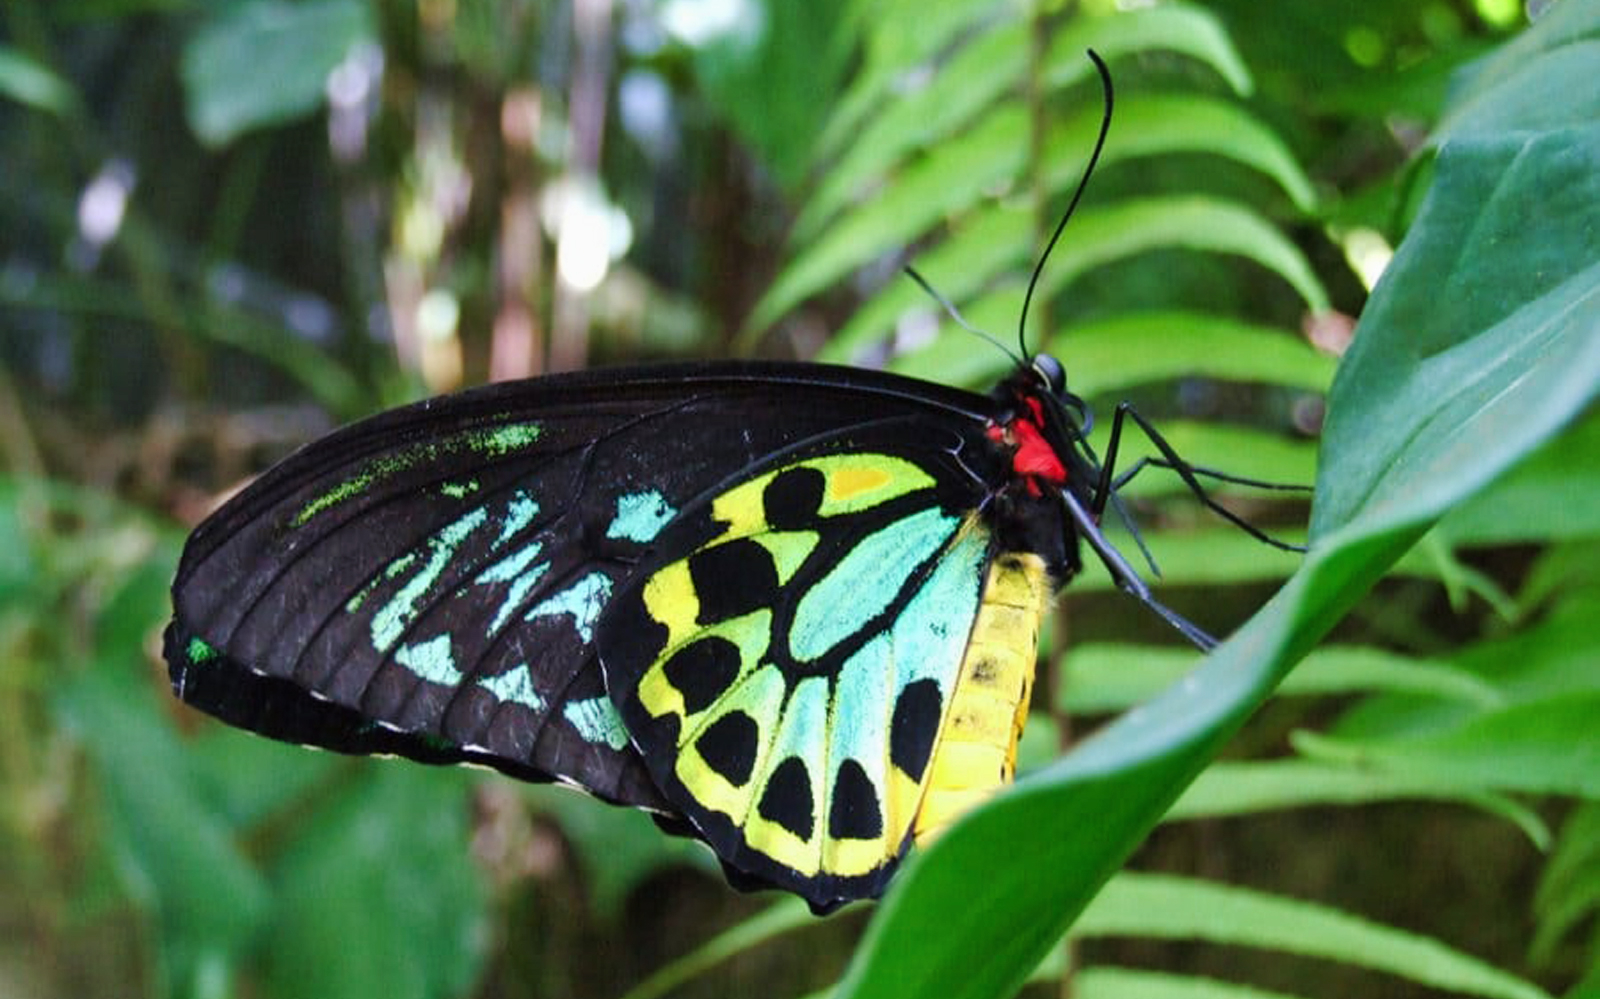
[(786, 663)]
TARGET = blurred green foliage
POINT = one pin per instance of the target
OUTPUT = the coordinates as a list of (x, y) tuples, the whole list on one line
[(229, 226)]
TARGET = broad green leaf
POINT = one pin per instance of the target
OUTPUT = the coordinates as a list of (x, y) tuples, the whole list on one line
[(1114, 677), (1153, 905), (380, 893), (1483, 376), (1542, 80), (773, 75), (1454, 377), (1499, 272), (266, 62)]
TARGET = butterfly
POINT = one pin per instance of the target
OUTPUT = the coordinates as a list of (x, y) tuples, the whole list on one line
[(790, 609)]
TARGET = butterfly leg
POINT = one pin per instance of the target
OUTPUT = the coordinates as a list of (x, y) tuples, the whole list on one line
[(1106, 490), (1126, 578)]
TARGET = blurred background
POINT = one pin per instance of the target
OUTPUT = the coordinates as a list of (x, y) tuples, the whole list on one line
[(226, 227)]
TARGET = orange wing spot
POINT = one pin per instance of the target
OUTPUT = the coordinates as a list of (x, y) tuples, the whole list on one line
[(848, 482)]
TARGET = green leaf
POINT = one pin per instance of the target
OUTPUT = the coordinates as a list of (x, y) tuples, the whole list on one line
[(773, 75), (1569, 885), (901, 36), (174, 851), (1542, 80), (33, 84), (1148, 124), (1128, 983), (978, 248), (384, 897), (1175, 27), (1108, 356), (987, 65), (1497, 282), (251, 780), (952, 177), (1550, 660), (1542, 747), (1168, 907), (1250, 452), (978, 251), (1107, 677), (1455, 375), (1247, 788), (1200, 557), (266, 62), (1550, 496)]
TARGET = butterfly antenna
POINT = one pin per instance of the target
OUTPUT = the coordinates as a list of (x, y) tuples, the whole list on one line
[(955, 313), (1077, 195)]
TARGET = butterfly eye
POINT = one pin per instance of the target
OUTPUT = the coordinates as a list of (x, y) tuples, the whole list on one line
[(1051, 373)]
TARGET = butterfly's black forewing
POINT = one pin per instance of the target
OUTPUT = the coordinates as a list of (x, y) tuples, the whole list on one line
[(428, 581)]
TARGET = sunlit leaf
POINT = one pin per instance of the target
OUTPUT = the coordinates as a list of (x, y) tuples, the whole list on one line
[(1178, 908), (1249, 788), (1108, 677), (1130, 983), (264, 62), (966, 262), (1542, 747)]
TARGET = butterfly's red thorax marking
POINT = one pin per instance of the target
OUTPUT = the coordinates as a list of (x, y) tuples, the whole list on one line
[(1032, 457)]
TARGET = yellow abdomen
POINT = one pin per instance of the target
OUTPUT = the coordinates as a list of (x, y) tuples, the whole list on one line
[(976, 753)]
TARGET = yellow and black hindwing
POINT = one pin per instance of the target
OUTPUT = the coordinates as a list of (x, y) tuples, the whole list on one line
[(788, 666)]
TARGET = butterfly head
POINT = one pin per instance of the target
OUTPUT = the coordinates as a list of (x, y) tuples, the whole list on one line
[(1049, 378)]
